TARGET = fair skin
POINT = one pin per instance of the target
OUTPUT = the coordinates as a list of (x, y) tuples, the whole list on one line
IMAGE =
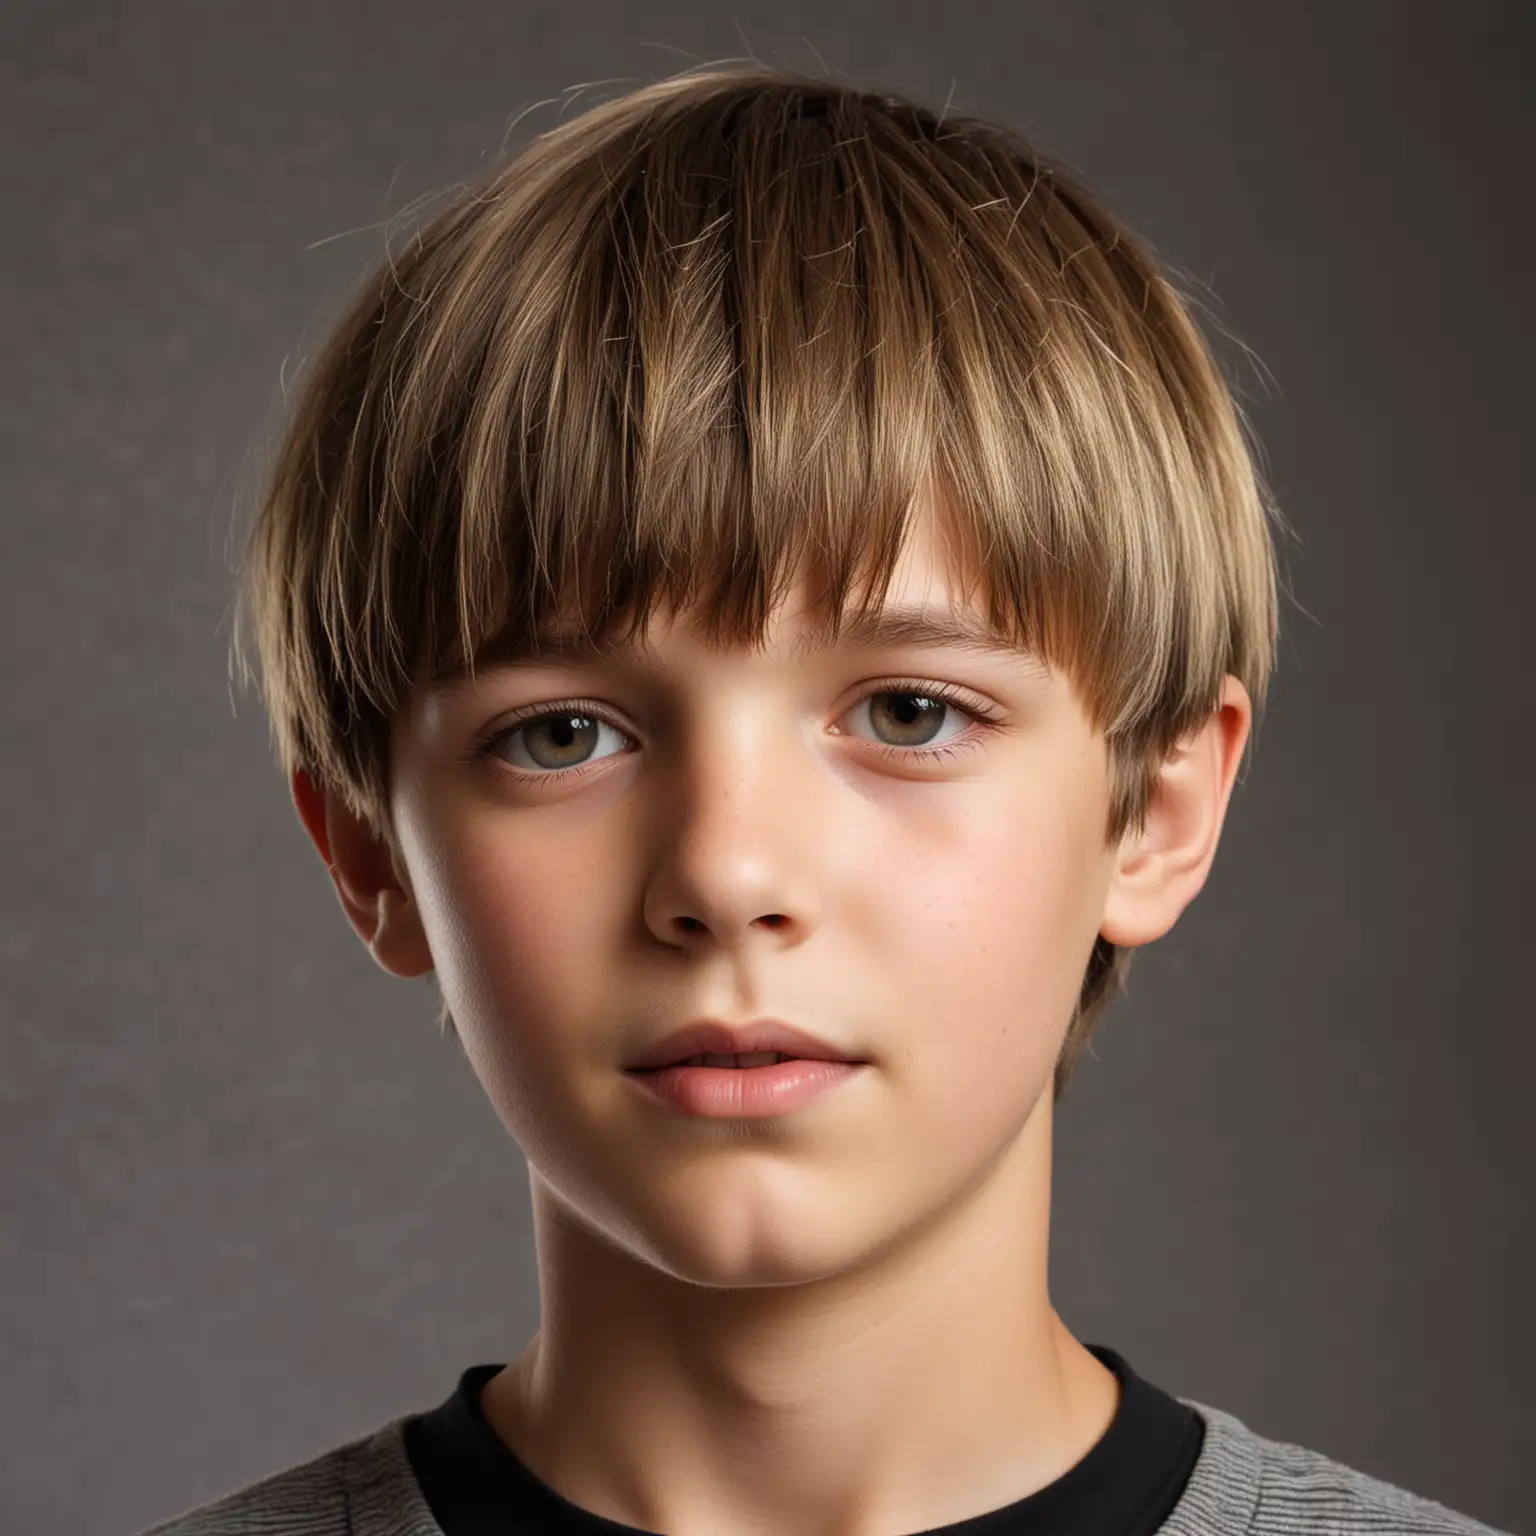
[(856, 1291)]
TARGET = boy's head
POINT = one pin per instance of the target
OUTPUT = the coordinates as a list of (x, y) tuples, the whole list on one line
[(720, 368)]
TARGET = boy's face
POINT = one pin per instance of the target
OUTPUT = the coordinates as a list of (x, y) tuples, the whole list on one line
[(758, 836)]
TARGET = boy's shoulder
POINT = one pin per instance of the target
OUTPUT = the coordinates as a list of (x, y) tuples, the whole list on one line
[(362, 1488), (1243, 1484), (1246, 1483)]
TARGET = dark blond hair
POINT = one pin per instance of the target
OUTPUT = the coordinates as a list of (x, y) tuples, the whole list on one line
[(728, 323)]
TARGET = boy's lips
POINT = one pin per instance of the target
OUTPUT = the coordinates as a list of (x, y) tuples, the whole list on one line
[(713, 1037)]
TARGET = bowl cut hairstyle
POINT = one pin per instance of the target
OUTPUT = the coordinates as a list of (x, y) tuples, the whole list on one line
[(723, 330)]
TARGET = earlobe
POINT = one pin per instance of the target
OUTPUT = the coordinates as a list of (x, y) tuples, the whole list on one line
[(399, 942), (373, 892)]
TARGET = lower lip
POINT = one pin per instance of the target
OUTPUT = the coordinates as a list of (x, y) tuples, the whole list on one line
[(725, 1093)]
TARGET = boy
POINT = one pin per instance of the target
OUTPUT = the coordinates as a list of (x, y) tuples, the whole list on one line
[(766, 601)]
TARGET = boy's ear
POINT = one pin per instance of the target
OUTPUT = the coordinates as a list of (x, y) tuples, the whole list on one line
[(374, 893), (1162, 869)]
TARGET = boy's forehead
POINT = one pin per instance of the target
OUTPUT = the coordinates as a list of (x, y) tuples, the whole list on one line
[(895, 626)]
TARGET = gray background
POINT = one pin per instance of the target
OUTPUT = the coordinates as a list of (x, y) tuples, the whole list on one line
[(253, 1204)]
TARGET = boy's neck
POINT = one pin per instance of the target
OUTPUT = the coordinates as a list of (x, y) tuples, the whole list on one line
[(934, 1384)]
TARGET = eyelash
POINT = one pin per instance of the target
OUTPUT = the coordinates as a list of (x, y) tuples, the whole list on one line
[(486, 743)]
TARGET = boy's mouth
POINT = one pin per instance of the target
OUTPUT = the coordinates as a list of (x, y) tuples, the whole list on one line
[(742, 1061), (720, 1085), (738, 1047)]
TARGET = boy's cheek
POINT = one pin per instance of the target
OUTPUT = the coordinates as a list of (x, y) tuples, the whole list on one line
[(525, 944)]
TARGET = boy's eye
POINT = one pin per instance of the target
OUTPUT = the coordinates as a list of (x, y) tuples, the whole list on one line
[(559, 740), (908, 720)]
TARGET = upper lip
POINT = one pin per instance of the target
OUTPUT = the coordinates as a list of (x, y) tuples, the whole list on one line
[(713, 1037)]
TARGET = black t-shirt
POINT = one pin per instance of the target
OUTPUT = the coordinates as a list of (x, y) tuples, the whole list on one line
[(1126, 1485)]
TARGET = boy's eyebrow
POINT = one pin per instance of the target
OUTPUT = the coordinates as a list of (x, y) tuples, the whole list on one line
[(889, 629)]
